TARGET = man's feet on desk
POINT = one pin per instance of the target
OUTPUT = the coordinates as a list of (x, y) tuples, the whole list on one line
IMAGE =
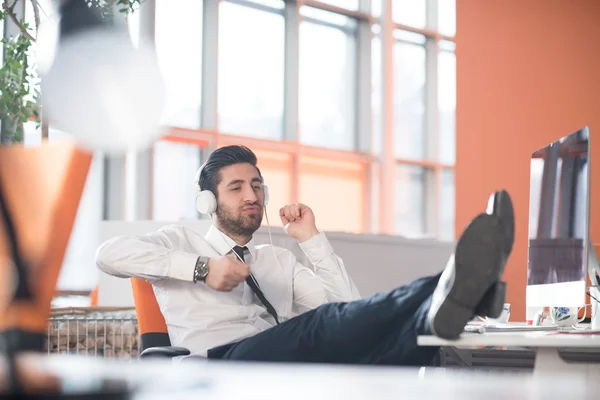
[(471, 282)]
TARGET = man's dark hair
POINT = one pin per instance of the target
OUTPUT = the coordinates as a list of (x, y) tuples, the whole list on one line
[(210, 176)]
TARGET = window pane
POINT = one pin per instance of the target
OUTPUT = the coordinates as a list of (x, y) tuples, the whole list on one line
[(179, 48), (133, 23), (447, 45), (327, 16), (327, 82), (278, 4), (32, 136), (409, 211), (348, 4), (46, 10), (410, 37), (447, 106), (325, 185), (275, 168), (409, 101), (446, 205), (410, 12), (173, 188), (250, 71), (447, 17), (376, 8), (376, 96)]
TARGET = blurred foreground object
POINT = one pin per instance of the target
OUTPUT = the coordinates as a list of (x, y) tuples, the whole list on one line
[(96, 85), (40, 189)]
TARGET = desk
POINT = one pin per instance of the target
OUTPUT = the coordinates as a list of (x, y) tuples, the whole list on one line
[(584, 350), (159, 379)]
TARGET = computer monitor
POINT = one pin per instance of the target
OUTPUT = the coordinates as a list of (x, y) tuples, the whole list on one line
[(559, 210)]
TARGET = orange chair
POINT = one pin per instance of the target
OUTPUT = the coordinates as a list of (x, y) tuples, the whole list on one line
[(154, 337)]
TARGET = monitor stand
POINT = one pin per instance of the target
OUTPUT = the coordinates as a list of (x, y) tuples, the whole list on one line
[(594, 274)]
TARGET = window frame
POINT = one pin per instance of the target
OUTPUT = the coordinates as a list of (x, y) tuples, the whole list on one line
[(379, 169)]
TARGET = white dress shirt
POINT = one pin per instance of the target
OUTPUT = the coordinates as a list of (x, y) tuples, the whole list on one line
[(200, 318)]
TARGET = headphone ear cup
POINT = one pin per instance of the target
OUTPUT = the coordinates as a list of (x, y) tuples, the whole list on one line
[(266, 193), (206, 202)]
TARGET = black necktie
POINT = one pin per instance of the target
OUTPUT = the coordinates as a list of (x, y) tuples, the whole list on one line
[(239, 250)]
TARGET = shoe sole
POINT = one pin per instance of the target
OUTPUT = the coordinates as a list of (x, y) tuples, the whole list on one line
[(479, 261), (504, 210)]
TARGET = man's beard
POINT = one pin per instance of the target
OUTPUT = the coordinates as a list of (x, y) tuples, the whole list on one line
[(243, 225)]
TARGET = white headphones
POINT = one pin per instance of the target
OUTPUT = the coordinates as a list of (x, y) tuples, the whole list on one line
[(206, 202)]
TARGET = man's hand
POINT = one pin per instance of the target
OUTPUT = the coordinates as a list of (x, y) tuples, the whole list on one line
[(299, 221), (225, 273)]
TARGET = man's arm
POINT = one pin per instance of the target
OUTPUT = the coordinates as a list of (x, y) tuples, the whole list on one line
[(149, 257), (330, 281), (329, 269)]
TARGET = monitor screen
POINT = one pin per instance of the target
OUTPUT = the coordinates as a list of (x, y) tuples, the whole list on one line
[(559, 222)]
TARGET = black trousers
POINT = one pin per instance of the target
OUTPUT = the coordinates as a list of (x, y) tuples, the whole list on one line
[(380, 329)]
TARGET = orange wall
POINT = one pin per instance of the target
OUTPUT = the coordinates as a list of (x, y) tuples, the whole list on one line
[(528, 72)]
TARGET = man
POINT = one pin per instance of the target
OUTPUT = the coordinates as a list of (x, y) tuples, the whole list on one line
[(271, 308)]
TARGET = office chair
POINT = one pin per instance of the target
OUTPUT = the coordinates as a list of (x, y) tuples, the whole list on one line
[(154, 338)]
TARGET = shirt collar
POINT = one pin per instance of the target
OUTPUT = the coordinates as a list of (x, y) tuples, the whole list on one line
[(223, 243)]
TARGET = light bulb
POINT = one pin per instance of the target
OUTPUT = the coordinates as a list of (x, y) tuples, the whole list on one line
[(103, 91)]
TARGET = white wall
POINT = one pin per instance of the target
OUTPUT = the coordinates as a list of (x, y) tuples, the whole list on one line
[(375, 262)]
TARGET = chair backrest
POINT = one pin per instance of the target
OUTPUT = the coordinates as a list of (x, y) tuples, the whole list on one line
[(151, 323)]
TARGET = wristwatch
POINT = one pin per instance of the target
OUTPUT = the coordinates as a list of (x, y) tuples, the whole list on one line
[(201, 269)]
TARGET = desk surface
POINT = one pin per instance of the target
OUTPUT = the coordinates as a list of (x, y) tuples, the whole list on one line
[(228, 380), (517, 339)]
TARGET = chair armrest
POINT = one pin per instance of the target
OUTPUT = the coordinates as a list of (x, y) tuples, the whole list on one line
[(164, 352)]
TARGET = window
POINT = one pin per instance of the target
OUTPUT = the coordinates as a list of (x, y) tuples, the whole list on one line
[(410, 205), (327, 80), (376, 93), (376, 8), (275, 168), (410, 12), (284, 79), (409, 96), (447, 17), (250, 77), (348, 4), (335, 191), (447, 106), (45, 10), (179, 49), (133, 23), (173, 188), (32, 135)]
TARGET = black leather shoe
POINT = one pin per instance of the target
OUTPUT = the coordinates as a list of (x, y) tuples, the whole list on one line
[(500, 205), (471, 282)]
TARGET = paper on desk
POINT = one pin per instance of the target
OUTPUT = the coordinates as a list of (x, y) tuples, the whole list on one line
[(579, 332), (482, 328)]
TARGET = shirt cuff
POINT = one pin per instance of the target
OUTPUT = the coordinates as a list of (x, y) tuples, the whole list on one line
[(182, 266), (317, 248)]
